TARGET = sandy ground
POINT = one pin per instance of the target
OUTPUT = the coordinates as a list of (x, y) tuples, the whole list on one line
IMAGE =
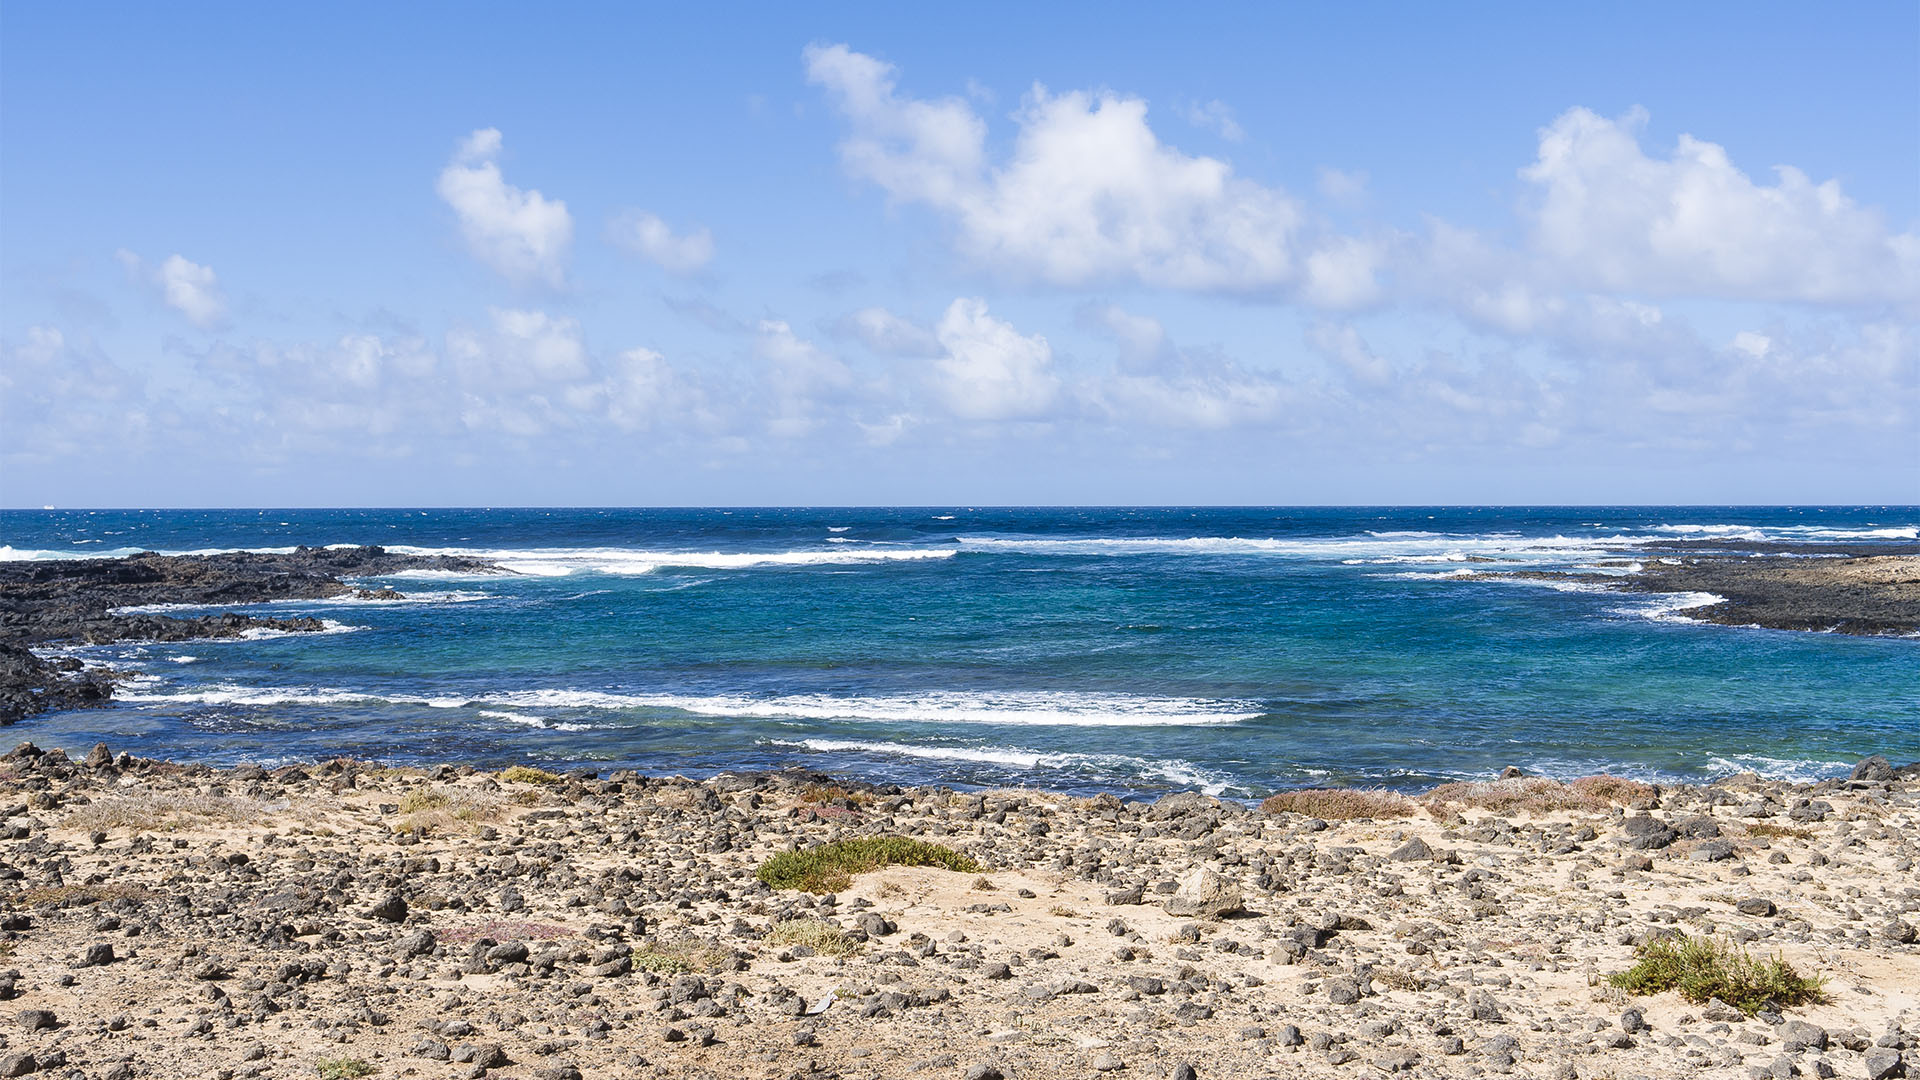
[(456, 924)]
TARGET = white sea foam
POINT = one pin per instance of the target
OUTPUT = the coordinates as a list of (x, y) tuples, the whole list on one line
[(560, 562), (1174, 770), (448, 596), (186, 659), (1056, 709), (1667, 607), (1047, 708), (533, 721), (1798, 771)]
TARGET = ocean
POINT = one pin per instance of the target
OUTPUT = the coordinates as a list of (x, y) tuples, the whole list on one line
[(1132, 650)]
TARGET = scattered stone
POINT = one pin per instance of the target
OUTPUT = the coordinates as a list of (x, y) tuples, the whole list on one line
[(1206, 894)]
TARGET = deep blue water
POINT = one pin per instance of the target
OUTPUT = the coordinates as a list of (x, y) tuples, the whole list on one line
[(1235, 650)]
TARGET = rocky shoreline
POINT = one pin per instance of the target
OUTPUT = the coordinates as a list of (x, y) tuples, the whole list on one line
[(1813, 590), (85, 601), (342, 919)]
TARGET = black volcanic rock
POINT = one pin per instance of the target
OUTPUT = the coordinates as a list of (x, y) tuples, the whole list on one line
[(81, 601)]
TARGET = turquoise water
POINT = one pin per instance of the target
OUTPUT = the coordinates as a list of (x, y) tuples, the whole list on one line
[(1135, 650)]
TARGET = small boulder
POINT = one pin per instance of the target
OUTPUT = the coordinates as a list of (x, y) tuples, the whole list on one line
[(1206, 894), (390, 908), (1414, 850), (1875, 769)]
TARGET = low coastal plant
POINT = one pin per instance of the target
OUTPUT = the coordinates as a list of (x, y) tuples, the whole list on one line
[(1341, 804), (819, 935), (678, 956), (830, 867), (343, 1068), (527, 774), (1702, 969)]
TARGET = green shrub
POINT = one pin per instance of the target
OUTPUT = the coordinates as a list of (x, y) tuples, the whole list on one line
[(343, 1069), (1702, 969), (830, 867), (527, 774)]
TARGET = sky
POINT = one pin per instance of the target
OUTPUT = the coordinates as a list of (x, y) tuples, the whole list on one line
[(486, 254)]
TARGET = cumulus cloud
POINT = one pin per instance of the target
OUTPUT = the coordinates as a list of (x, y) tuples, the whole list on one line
[(801, 375), (1087, 194), (652, 239), (63, 399), (1344, 346), (521, 234), (991, 371), (887, 334), (1216, 116), (1609, 216), (1157, 383), (183, 285)]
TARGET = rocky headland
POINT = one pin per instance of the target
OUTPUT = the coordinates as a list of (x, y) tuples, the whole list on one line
[(85, 601), (341, 919)]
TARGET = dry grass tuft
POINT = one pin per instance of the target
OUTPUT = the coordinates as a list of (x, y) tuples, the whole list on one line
[(448, 809), (1341, 804), (1531, 794), (165, 813), (819, 935), (1614, 789), (678, 956), (527, 774), (75, 895), (825, 794), (1776, 832)]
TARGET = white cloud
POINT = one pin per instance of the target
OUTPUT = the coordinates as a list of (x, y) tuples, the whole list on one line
[(888, 334), (1216, 116), (991, 371), (521, 234), (1610, 217), (652, 239), (1157, 383), (801, 375), (184, 285), (1340, 186), (1088, 193), (1343, 345)]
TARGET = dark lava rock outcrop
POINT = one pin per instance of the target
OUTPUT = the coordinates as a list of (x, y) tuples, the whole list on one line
[(83, 601)]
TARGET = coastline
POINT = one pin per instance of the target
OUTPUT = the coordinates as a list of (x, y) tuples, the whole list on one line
[(175, 920), (100, 601), (1811, 590)]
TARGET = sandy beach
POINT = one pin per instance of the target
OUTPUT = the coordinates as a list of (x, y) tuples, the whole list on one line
[(341, 919)]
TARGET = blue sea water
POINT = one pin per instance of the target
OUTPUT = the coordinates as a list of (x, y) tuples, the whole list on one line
[(1236, 651)]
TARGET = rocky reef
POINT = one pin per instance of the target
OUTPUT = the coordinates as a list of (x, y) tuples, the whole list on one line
[(88, 601)]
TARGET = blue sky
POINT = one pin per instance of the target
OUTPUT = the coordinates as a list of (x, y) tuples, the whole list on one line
[(435, 254)]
